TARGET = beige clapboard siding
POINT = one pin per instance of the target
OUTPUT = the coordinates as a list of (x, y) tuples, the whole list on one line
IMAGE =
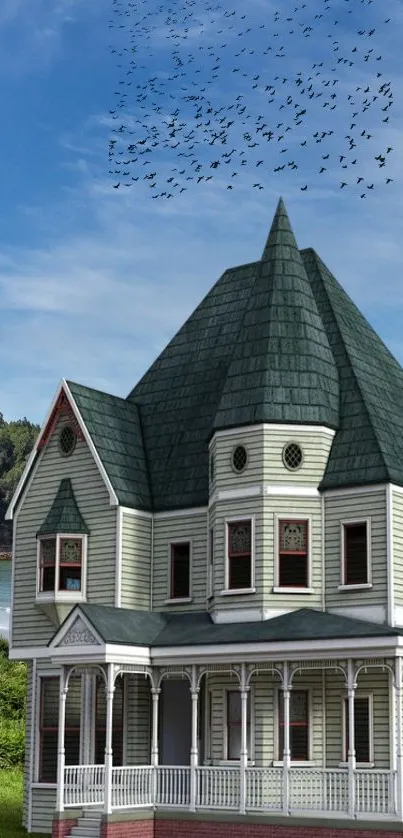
[(43, 808), (223, 446), (30, 625), (138, 720), (315, 444), (338, 508), (136, 561), (224, 511), (180, 527), (28, 729), (264, 697), (375, 683), (397, 505), (275, 508)]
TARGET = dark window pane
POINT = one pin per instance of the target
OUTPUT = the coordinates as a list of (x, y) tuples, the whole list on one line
[(299, 725), (234, 724), (48, 757), (240, 572), (361, 729), (117, 731), (48, 579), (180, 571), (293, 571), (70, 579), (355, 554), (239, 538)]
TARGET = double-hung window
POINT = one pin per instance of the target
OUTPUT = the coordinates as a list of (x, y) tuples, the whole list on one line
[(49, 725), (180, 570), (355, 549), (293, 553), (299, 725), (239, 555), (117, 722), (362, 729), (61, 566), (234, 724)]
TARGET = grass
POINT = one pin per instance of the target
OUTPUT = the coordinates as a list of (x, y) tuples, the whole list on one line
[(11, 805)]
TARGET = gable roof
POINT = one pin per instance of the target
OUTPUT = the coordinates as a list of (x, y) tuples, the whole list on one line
[(142, 628), (64, 515)]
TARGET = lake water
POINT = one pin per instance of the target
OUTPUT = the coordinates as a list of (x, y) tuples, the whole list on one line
[(5, 596)]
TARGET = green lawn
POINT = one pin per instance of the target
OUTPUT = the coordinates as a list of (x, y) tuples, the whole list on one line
[(11, 805)]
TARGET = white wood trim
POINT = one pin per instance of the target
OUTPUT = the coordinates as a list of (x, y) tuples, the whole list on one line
[(119, 557), (265, 489), (279, 516), (169, 597), (277, 760), (252, 710), (389, 557), (56, 595), (370, 698), (275, 426), (65, 628), (232, 520), (346, 522), (292, 490)]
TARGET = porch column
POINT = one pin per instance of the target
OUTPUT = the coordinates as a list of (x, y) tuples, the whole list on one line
[(110, 689), (243, 756), (287, 751), (155, 692), (351, 688), (194, 750), (60, 740), (399, 736)]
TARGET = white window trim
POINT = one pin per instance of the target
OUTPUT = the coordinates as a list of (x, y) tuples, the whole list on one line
[(44, 675), (55, 595), (210, 561), (344, 760), (170, 600), (251, 744), (277, 588), (234, 591), (277, 761), (364, 585)]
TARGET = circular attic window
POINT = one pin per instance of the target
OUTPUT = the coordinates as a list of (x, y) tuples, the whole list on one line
[(239, 458), (67, 441), (292, 456)]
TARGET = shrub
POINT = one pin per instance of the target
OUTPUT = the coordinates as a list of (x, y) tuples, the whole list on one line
[(12, 709), (12, 742)]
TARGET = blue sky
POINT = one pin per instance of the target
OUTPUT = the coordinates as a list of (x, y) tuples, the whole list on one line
[(94, 281)]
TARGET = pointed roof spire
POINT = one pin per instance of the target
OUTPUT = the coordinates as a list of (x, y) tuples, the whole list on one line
[(280, 232), (64, 515)]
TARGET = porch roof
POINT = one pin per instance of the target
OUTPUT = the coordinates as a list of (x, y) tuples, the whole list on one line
[(157, 629)]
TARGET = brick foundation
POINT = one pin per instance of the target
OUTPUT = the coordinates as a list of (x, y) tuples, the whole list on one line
[(129, 829), (209, 829), (62, 828)]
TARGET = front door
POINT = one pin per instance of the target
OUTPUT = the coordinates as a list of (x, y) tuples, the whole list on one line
[(175, 722)]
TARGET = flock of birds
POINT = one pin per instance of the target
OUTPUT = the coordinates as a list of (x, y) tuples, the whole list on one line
[(208, 92)]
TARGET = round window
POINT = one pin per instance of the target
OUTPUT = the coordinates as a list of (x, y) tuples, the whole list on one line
[(292, 456), (67, 441), (239, 458)]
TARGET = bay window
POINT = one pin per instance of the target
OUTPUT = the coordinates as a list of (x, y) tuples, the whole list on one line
[(61, 561)]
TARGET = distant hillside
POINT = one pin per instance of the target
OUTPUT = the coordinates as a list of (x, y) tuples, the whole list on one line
[(16, 442)]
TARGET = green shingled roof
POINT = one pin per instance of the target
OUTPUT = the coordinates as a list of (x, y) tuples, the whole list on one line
[(140, 628), (64, 515), (273, 341), (114, 426)]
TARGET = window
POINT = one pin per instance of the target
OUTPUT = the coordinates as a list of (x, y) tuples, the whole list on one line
[(292, 456), (234, 724), (180, 570), (355, 553), (117, 722), (299, 725), (61, 559), (362, 729), (239, 570), (293, 559), (239, 458), (49, 724)]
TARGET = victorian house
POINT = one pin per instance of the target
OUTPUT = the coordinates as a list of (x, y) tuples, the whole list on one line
[(208, 576)]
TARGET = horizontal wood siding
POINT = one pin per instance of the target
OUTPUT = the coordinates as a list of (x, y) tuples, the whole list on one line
[(299, 508), (315, 445), (338, 508), (43, 808), (264, 697), (27, 759), (167, 530), (138, 720), (375, 683), (222, 512), (223, 446), (30, 625), (136, 561), (397, 502)]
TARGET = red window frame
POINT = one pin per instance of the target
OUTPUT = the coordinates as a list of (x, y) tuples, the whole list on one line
[(293, 725), (175, 584), (43, 729), (70, 565), (296, 554), (46, 566), (234, 557), (348, 527)]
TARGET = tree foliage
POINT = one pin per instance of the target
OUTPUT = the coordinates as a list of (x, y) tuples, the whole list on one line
[(16, 442), (12, 709)]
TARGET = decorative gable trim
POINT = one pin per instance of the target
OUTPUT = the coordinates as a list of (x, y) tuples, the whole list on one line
[(76, 631), (62, 402)]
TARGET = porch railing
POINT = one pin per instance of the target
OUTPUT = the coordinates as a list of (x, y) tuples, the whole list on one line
[(311, 790)]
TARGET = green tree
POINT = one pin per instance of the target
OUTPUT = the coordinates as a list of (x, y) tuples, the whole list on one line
[(17, 439), (12, 709)]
